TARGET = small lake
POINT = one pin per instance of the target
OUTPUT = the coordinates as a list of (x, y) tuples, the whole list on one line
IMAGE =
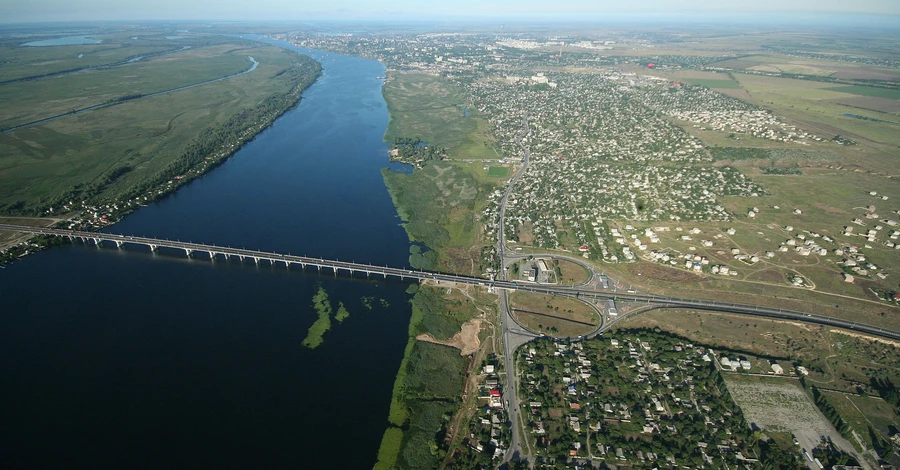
[(66, 41)]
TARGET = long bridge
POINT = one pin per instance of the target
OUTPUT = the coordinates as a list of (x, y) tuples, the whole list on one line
[(352, 268)]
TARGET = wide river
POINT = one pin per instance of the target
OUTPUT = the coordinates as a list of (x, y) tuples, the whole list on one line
[(126, 359)]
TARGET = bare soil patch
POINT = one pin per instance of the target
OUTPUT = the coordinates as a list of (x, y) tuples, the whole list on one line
[(466, 340)]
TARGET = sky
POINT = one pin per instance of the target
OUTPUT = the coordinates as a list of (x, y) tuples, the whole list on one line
[(16, 11)]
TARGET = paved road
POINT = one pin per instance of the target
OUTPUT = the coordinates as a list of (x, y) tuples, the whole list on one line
[(514, 335), (577, 291)]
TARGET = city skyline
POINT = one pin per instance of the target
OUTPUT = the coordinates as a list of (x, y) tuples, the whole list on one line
[(497, 10)]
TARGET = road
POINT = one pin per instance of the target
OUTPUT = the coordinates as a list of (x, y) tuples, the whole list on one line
[(576, 291), (513, 333)]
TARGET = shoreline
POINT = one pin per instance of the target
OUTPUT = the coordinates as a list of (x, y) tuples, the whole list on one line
[(164, 184)]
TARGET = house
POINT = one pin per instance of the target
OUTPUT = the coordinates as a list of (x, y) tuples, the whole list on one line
[(777, 369)]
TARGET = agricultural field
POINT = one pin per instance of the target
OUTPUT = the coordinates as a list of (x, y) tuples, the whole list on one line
[(868, 91), (118, 148)]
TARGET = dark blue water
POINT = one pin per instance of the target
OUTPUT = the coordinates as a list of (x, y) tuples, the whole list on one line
[(127, 359)]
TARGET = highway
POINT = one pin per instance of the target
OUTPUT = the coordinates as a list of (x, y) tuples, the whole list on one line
[(511, 339), (576, 291)]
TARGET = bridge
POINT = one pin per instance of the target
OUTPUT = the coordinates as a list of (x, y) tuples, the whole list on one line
[(352, 268)]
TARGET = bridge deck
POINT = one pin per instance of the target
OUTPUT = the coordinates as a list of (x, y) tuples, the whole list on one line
[(352, 267)]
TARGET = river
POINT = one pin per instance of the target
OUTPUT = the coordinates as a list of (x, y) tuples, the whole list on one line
[(131, 359)]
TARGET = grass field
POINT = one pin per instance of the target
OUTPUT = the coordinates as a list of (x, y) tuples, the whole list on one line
[(560, 315), (572, 273), (498, 172), (44, 161), (712, 83), (809, 105), (429, 107), (117, 47), (439, 205), (32, 100)]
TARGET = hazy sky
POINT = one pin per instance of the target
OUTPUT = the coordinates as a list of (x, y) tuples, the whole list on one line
[(77, 10)]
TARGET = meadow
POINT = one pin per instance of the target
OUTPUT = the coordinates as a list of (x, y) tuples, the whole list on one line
[(430, 108), (712, 83), (556, 315)]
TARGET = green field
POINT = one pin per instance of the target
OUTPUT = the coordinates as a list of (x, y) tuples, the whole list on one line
[(428, 107), (498, 172), (32, 100), (560, 316), (117, 149), (21, 62), (868, 91), (712, 83), (807, 103)]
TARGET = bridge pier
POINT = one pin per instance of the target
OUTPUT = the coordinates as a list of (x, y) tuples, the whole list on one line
[(256, 260), (152, 248), (119, 243), (188, 252), (96, 242)]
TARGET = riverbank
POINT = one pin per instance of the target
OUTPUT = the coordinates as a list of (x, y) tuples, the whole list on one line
[(440, 203), (102, 203), (429, 385), (109, 155)]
